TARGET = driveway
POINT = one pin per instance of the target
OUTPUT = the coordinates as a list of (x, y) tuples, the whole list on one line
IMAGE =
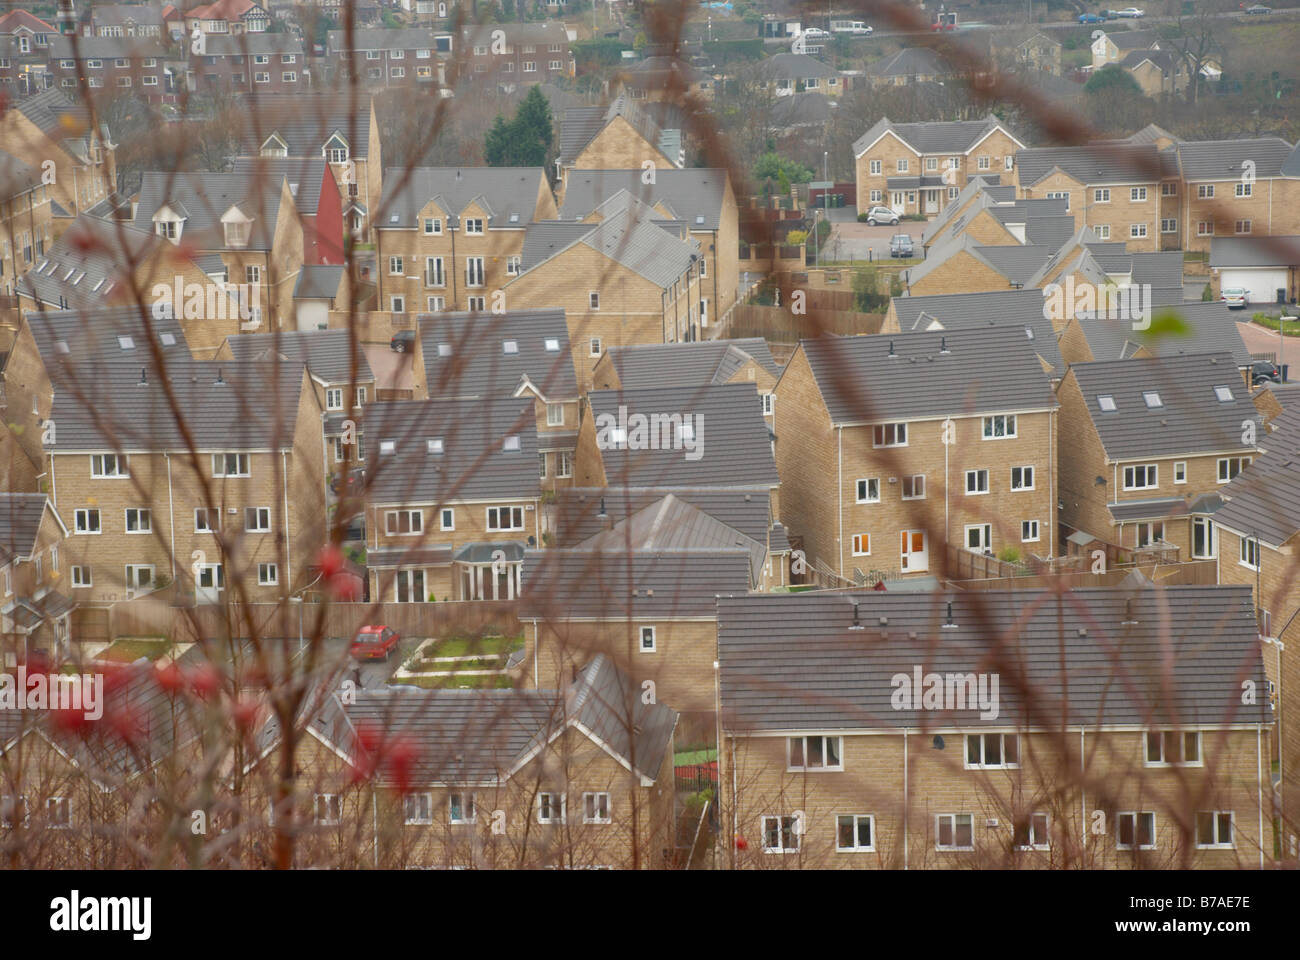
[(1262, 340), (392, 370), (862, 241)]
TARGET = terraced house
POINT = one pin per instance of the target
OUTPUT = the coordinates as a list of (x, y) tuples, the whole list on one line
[(939, 731), (453, 237), (523, 354), (623, 275), (26, 219), (896, 449), (35, 614), (114, 64), (452, 499), (258, 62), (577, 776), (918, 167), (253, 227), (1152, 442), (506, 55), (245, 488), (24, 53), (409, 58), (50, 126)]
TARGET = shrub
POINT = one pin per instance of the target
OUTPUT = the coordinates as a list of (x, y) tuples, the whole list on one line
[(1009, 555)]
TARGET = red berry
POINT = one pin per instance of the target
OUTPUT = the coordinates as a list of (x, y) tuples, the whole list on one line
[(330, 560)]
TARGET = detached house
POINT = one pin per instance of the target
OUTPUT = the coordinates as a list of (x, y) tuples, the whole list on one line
[(227, 17), (453, 498), (786, 74), (453, 238), (1152, 442), (835, 753), (894, 449), (918, 167), (523, 354), (1234, 188)]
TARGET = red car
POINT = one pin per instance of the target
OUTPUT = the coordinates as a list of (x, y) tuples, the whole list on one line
[(374, 643)]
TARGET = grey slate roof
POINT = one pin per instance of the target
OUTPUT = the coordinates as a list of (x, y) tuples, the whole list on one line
[(378, 38), (318, 282), (1017, 262), (802, 110), (622, 584), (474, 464), (792, 662), (687, 194), (1191, 418), (1254, 252), (793, 66), (205, 197), (1212, 328), (1264, 498), (1132, 39), (691, 363), (20, 520), (15, 176), (1223, 159), (732, 442), (985, 370), (1097, 163), (109, 48), (674, 524), (578, 509), (910, 62), (959, 311), (507, 194), (479, 366), (484, 736), (952, 136), (306, 122), (1156, 508), (68, 338), (243, 44), (303, 173), (327, 353)]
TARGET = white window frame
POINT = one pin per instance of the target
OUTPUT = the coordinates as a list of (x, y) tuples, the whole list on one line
[(646, 631), (856, 819), (786, 827), (1179, 739), (467, 802), (864, 487), (1004, 421), (881, 435), (977, 476), (99, 466), (414, 518), (953, 825), (859, 541), (268, 575), (81, 575), (1216, 823), (593, 815), (1023, 471), (1101, 195), (242, 465), (1035, 842), (1029, 531), (1135, 845), (81, 522), (1150, 474), (982, 740), (261, 519), (447, 518), (143, 515), (493, 524), (327, 809), (915, 480), (802, 742), (545, 800), (419, 812), (1224, 466)]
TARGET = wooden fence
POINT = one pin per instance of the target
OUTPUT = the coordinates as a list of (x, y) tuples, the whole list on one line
[(147, 617), (779, 324)]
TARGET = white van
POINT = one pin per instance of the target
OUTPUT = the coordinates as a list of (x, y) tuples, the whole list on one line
[(854, 28)]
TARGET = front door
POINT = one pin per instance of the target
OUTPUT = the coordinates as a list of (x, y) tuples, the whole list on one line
[(208, 583), (932, 201), (915, 554), (896, 202)]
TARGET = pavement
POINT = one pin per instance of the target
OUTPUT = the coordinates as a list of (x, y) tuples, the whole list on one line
[(1262, 340)]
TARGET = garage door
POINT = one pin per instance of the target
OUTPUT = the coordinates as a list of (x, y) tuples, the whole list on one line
[(1261, 285)]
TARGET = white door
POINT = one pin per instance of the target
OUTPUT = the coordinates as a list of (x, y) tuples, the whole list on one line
[(208, 583), (896, 201), (915, 553), (932, 201), (1261, 285)]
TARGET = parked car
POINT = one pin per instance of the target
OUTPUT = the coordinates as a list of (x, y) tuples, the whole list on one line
[(1132, 13), (356, 481), (816, 33), (900, 245), (403, 341), (1259, 9), (1092, 18), (374, 643), (854, 28), (1264, 371), (1235, 297), (878, 215)]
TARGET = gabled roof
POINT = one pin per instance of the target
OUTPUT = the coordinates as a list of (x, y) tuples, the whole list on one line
[(20, 521), (622, 584), (507, 194), (490, 357), (1224, 159), (544, 31), (1132, 39), (1208, 328), (690, 194), (1190, 418), (377, 38), (1264, 499), (108, 48), (486, 736), (674, 524), (1254, 252), (693, 363), (327, 353), (731, 445), (793, 66), (954, 136), (1021, 309), (13, 19), (581, 125), (102, 337), (793, 662), (248, 44), (472, 462), (305, 175), (318, 282), (1018, 263), (1163, 59), (63, 120), (16, 177), (226, 10), (583, 512), (988, 369)]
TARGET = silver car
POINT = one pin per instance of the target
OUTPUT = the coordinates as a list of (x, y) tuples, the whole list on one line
[(878, 215)]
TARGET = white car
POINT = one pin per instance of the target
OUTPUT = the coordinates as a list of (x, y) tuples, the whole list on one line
[(815, 33), (1132, 13)]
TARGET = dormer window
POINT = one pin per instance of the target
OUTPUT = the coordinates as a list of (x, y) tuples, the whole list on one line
[(168, 223), (237, 227), (274, 147), (336, 149)]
